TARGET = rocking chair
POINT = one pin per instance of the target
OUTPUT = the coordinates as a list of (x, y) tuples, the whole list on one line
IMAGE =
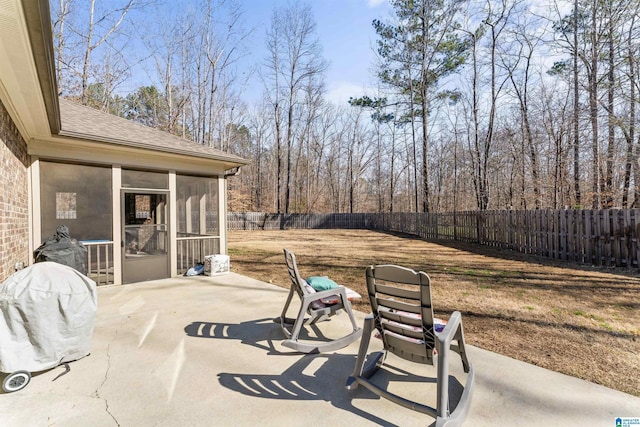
[(318, 306), (402, 315)]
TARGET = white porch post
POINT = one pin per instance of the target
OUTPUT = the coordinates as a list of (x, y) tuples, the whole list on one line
[(222, 213), (173, 224), (35, 236), (116, 185)]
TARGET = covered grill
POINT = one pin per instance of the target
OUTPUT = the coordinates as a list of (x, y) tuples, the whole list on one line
[(48, 314)]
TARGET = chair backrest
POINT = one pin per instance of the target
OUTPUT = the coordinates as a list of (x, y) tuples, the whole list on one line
[(401, 302), (297, 282)]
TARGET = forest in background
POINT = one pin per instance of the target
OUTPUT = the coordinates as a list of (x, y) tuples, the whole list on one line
[(508, 104)]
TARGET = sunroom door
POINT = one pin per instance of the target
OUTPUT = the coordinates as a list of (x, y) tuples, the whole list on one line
[(145, 247)]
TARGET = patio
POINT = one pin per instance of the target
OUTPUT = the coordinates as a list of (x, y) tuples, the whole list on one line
[(205, 351)]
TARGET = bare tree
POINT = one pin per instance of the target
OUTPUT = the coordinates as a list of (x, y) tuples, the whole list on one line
[(114, 18), (81, 29), (296, 63), (629, 132), (554, 111), (59, 27), (272, 81), (169, 54), (525, 43)]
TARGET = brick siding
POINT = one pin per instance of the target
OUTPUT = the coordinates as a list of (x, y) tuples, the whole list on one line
[(14, 204)]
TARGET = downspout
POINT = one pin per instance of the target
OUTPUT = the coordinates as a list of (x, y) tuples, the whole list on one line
[(222, 207)]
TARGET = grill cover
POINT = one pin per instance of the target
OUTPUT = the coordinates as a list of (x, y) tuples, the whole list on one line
[(61, 248), (48, 313)]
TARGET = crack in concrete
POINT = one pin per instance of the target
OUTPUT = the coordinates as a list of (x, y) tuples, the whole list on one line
[(96, 393)]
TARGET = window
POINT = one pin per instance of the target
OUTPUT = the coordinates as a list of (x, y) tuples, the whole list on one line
[(77, 196), (197, 199), (143, 179)]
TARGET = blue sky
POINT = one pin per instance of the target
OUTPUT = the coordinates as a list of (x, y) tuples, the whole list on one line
[(346, 35), (344, 28)]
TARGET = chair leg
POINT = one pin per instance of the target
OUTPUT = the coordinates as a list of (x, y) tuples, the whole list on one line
[(442, 384), (349, 310), (284, 320), (297, 327), (462, 350), (358, 370), (444, 416), (286, 304)]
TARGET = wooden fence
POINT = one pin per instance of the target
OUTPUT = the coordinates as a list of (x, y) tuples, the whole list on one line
[(266, 221), (597, 237)]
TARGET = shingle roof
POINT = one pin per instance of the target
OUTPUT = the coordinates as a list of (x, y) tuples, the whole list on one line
[(84, 122)]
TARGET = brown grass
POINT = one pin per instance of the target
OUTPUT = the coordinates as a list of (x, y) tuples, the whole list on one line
[(579, 321)]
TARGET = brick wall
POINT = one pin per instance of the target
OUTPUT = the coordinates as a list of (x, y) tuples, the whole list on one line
[(14, 215)]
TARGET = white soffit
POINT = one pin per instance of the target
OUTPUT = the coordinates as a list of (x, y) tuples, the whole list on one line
[(19, 86)]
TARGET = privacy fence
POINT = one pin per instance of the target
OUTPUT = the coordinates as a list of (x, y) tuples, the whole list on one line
[(597, 237)]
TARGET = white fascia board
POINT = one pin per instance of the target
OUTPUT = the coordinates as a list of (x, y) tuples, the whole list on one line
[(19, 85), (84, 151)]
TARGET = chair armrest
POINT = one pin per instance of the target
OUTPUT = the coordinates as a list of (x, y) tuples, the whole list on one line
[(340, 291), (448, 333), (453, 331)]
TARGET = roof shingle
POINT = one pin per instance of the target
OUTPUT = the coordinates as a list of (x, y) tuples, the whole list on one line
[(85, 122)]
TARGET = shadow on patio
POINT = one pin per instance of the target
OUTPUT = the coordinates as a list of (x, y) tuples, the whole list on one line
[(205, 351)]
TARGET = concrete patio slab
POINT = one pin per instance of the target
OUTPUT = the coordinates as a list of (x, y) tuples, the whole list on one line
[(204, 351)]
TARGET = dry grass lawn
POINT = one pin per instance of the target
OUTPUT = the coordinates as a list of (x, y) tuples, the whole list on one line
[(580, 321)]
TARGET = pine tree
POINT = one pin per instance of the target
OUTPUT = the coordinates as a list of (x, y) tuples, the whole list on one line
[(420, 48)]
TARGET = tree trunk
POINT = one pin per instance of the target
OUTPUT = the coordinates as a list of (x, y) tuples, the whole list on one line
[(87, 55), (576, 111), (630, 136), (608, 180), (593, 109)]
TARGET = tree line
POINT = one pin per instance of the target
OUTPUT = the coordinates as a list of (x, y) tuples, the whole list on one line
[(484, 104)]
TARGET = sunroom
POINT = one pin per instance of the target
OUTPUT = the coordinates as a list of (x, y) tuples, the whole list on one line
[(147, 205)]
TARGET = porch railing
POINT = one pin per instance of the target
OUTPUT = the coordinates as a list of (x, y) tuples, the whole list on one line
[(193, 248), (100, 261)]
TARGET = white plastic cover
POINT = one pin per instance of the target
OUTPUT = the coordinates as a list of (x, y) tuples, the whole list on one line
[(48, 313)]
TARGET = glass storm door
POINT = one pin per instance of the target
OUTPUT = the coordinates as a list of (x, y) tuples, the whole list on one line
[(145, 246)]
